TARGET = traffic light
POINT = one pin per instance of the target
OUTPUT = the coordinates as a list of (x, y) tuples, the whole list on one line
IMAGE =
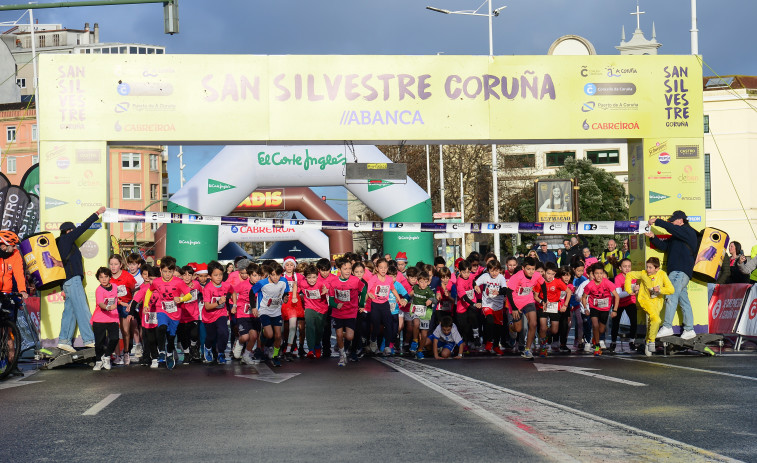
[(171, 16)]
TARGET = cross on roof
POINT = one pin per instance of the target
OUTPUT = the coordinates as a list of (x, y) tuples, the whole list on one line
[(638, 15)]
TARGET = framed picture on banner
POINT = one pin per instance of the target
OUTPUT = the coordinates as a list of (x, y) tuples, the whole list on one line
[(555, 201)]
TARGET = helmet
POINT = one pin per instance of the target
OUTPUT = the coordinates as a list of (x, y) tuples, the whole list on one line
[(8, 238)]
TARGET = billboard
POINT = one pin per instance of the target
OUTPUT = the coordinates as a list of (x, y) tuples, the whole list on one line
[(555, 201)]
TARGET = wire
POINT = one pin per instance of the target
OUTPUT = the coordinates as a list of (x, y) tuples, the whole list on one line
[(732, 90)]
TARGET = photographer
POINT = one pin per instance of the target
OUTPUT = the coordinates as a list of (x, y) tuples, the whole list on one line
[(610, 258)]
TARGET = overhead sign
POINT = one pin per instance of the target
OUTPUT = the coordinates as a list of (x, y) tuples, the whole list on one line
[(366, 98), (264, 200), (360, 172)]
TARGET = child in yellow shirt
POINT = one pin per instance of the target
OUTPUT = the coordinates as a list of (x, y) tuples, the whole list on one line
[(650, 288)]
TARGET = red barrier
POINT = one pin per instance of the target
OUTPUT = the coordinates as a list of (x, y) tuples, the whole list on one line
[(725, 307)]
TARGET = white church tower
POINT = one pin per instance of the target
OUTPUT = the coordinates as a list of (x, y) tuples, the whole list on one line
[(638, 45)]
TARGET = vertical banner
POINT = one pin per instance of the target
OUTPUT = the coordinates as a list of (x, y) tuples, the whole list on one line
[(674, 180), (747, 325), (725, 307), (554, 200), (73, 181)]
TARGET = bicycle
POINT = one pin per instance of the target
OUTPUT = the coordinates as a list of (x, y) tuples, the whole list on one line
[(10, 344)]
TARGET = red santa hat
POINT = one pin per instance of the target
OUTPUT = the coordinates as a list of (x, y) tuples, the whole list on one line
[(202, 269), (289, 259), (401, 256), (458, 260)]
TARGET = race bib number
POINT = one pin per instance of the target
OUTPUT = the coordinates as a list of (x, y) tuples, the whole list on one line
[(551, 307), (392, 306), (275, 301), (151, 318), (602, 303), (121, 291), (524, 290), (313, 294), (471, 294), (563, 294), (419, 310), (193, 293), (169, 306), (343, 295), (215, 300), (381, 291), (110, 301), (247, 309), (425, 324), (493, 290)]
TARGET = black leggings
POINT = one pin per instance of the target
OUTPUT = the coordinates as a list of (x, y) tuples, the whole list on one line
[(189, 334), (150, 343), (165, 340), (630, 309), (564, 327), (106, 338), (493, 331), (466, 321), (381, 314), (362, 330), (217, 333)]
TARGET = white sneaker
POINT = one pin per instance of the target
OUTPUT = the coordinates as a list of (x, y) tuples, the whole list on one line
[(154, 363), (664, 331), (688, 334), (138, 351), (127, 359), (98, 366), (649, 349), (247, 358), (374, 347), (236, 351), (106, 363), (342, 360), (588, 347), (118, 361), (66, 347), (602, 344)]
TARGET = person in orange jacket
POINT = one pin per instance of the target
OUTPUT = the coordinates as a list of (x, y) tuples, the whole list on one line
[(11, 265)]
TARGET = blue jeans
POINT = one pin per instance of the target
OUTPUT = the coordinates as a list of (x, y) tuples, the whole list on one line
[(75, 311), (681, 296)]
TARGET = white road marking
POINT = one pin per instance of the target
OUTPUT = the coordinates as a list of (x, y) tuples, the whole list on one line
[(95, 409), (264, 373), (584, 372), (721, 373), (555, 431), (20, 381)]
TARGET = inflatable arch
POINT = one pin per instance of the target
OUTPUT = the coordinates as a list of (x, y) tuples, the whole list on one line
[(237, 170)]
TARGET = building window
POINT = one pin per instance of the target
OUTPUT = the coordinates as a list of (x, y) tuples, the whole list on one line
[(154, 162), (10, 133), (153, 191), (131, 190), (706, 123), (707, 184), (520, 161), (130, 226), (56, 40), (165, 191), (11, 167), (35, 159), (34, 132), (154, 227), (603, 157), (131, 160), (558, 159), (21, 82), (41, 41)]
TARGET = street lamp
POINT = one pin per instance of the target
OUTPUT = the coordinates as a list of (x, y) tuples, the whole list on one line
[(490, 14)]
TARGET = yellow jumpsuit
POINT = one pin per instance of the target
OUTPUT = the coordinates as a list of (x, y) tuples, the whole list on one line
[(651, 305)]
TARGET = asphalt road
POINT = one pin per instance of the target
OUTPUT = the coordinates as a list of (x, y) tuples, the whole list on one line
[(481, 410)]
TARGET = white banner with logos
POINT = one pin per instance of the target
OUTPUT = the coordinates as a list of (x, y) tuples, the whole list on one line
[(747, 325)]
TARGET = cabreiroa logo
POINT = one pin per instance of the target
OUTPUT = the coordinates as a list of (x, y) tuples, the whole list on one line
[(654, 197), (214, 186)]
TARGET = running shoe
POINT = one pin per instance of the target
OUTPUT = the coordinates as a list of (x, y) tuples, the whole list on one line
[(565, 349), (353, 357), (413, 347), (161, 357), (388, 351), (311, 354), (276, 361), (613, 346), (98, 366), (664, 332), (602, 344), (236, 351), (543, 352), (420, 355), (588, 347), (317, 353), (222, 358), (688, 334), (170, 361), (127, 359), (186, 358), (342, 361), (118, 360), (138, 350), (208, 355), (527, 354), (374, 347), (632, 346), (154, 363), (194, 352), (597, 351), (498, 351), (649, 349), (301, 352), (247, 358), (106, 363), (66, 347)]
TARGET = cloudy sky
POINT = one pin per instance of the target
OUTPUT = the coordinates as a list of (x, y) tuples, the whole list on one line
[(525, 27)]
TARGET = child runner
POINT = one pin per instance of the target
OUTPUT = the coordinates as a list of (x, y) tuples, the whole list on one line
[(344, 299), (363, 321), (293, 312), (651, 287), (134, 264), (627, 305), (555, 303), (566, 276), (379, 289), (493, 286), (170, 291), (423, 301), (189, 320), (245, 307), (577, 309), (105, 319), (523, 284), (214, 315), (125, 284), (410, 333), (325, 275), (445, 339), (272, 292), (466, 315), (445, 297), (597, 293), (150, 319), (315, 293)]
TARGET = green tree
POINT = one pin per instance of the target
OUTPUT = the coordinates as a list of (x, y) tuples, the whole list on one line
[(600, 197)]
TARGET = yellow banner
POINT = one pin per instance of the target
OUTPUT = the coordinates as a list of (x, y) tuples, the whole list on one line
[(73, 185), (367, 98)]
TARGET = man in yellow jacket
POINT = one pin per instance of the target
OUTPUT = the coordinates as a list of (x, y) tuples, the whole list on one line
[(650, 288)]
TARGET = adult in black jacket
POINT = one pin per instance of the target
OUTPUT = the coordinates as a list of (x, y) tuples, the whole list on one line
[(75, 308), (681, 250)]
